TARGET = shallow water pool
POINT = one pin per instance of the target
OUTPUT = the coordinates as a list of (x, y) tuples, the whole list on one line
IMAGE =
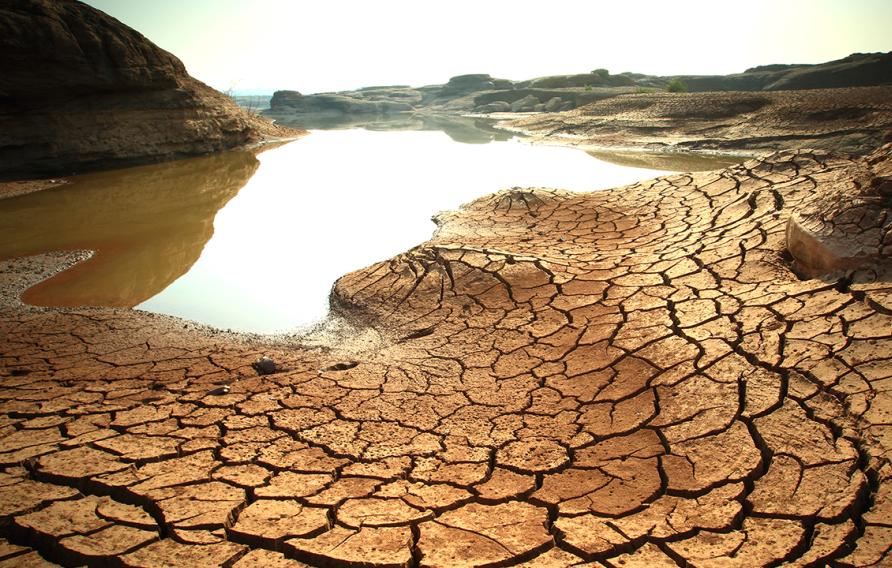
[(255, 243)]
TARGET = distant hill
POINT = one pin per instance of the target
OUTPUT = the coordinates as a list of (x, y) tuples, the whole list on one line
[(481, 93), (856, 70)]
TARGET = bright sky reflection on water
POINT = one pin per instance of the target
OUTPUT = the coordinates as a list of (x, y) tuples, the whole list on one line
[(255, 243), (336, 201)]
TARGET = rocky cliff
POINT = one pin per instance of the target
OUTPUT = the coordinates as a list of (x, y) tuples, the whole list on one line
[(81, 91)]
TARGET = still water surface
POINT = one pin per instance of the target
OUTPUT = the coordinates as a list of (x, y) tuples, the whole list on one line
[(255, 243)]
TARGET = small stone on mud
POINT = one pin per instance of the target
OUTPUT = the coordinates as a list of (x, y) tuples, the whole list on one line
[(220, 390), (265, 366)]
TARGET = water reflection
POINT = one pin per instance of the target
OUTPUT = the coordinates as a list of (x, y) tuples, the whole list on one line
[(285, 224), (467, 130), (148, 226), (339, 200), (668, 161)]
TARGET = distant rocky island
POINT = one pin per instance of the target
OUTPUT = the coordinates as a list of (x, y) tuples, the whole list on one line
[(483, 94)]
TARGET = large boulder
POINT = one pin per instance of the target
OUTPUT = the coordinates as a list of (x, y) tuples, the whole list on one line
[(465, 84), (553, 104), (498, 106), (845, 224), (526, 104), (80, 90)]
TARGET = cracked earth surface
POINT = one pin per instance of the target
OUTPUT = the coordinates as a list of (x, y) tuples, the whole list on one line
[(633, 377)]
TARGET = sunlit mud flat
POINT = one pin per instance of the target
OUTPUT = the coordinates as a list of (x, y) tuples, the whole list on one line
[(254, 243)]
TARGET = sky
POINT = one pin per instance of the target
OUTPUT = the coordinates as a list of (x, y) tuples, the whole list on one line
[(316, 46)]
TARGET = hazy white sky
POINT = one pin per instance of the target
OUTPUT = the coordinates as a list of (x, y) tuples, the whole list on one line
[(321, 45)]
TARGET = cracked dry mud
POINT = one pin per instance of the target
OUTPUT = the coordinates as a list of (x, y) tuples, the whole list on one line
[(633, 377)]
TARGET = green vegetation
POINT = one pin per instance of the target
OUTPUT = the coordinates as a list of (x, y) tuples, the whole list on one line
[(676, 86), (602, 73)]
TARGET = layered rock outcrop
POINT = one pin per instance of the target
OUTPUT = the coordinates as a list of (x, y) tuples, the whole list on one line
[(856, 70), (477, 93), (631, 377), (81, 90), (855, 120), (481, 93), (846, 224)]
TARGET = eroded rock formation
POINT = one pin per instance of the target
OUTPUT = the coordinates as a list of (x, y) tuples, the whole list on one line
[(855, 120), (480, 93), (81, 91), (633, 377), (846, 225)]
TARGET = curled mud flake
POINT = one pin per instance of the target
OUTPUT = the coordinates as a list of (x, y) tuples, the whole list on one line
[(168, 552), (289, 484), (342, 489), (386, 547), (132, 447), (419, 333), (827, 542), (424, 496), (872, 547), (202, 506), (106, 543), (377, 512), (533, 455), (489, 533), (9, 550), (825, 492), (26, 495), (504, 484), (647, 556), (79, 463), (123, 514), (262, 558), (759, 542), (243, 475), (31, 559), (62, 519), (198, 536), (670, 516), (695, 465), (268, 522), (556, 558)]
